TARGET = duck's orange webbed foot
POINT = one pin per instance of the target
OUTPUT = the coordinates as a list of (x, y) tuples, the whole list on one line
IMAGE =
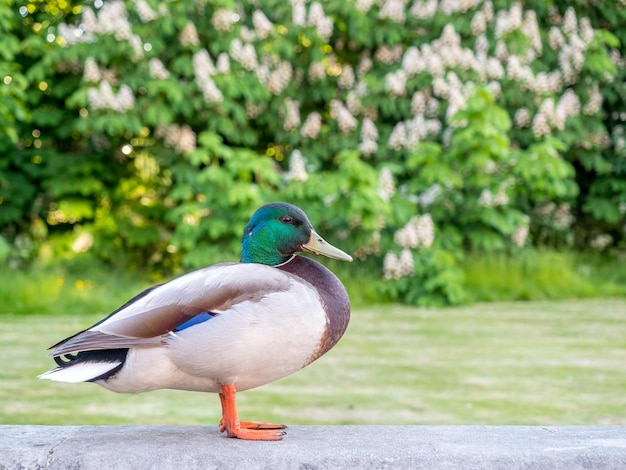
[(261, 425), (250, 430)]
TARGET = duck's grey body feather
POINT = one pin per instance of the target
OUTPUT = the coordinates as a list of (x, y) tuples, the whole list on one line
[(271, 323)]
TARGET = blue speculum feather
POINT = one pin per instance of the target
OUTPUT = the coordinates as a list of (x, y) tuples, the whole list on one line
[(200, 318)]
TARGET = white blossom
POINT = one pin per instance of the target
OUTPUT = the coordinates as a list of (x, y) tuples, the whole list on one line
[(202, 64), (488, 9), (364, 5), (312, 125), (418, 103), (494, 69), (346, 79), (568, 106), (397, 139), (262, 25), (388, 54), (522, 117), (203, 69), (479, 23), (125, 99), (563, 217), (507, 21), (586, 30), (368, 130), (144, 11), (297, 167), (113, 19), (393, 9), (209, 89), (412, 61), (482, 48), (298, 12), (249, 58), (179, 137), (368, 147), (70, 34), (428, 197), (317, 71), (601, 242), (253, 110), (520, 235), (502, 52), (223, 63), (558, 217), (531, 29), (353, 100), (386, 185), (395, 267), (419, 231), (365, 64), (292, 117), (423, 9), (347, 122), (570, 23), (280, 77), (541, 121), (92, 71), (157, 69), (137, 45), (395, 83), (407, 236), (555, 38), (89, 20), (426, 230), (322, 23), (432, 107), (224, 19), (103, 97), (462, 6), (189, 35), (82, 243), (594, 102), (435, 65)]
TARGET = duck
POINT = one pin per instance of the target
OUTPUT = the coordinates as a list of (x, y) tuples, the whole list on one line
[(225, 328)]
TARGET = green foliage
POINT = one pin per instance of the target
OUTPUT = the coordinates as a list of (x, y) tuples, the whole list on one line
[(4, 249), (144, 134)]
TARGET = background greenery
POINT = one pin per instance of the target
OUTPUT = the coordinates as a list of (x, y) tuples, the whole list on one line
[(143, 134)]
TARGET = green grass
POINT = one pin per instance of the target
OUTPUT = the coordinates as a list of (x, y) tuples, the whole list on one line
[(542, 275), (542, 363)]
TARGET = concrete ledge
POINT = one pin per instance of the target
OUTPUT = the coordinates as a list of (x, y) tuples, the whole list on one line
[(314, 447)]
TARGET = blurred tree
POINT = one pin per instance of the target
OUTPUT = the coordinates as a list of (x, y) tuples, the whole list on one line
[(146, 132)]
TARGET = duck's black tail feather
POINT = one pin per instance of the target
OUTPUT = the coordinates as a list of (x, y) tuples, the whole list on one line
[(87, 366)]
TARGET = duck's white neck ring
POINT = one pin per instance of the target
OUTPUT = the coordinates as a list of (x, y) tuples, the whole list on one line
[(284, 263)]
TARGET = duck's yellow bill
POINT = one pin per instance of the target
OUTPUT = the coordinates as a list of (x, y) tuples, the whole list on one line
[(317, 245)]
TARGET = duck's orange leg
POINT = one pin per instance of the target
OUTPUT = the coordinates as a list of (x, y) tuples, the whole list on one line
[(251, 430)]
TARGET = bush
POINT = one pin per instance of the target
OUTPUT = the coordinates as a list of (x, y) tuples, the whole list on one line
[(410, 132)]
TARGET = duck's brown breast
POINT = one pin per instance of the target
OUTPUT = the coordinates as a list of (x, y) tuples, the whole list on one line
[(332, 294)]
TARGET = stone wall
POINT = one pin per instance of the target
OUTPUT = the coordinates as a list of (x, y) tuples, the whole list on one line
[(314, 447)]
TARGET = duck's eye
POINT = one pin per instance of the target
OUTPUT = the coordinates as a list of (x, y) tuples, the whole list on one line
[(286, 219)]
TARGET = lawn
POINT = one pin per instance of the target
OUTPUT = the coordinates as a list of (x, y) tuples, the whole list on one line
[(538, 363)]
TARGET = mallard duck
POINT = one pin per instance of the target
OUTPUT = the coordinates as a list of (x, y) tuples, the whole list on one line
[(226, 328)]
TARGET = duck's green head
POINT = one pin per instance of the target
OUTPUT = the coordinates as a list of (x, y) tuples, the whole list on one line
[(279, 230)]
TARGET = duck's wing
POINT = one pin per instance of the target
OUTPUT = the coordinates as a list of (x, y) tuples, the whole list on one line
[(143, 320)]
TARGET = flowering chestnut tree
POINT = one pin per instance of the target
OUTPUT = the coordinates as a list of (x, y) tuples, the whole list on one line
[(411, 130)]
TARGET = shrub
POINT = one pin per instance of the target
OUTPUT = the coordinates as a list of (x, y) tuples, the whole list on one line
[(410, 132)]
